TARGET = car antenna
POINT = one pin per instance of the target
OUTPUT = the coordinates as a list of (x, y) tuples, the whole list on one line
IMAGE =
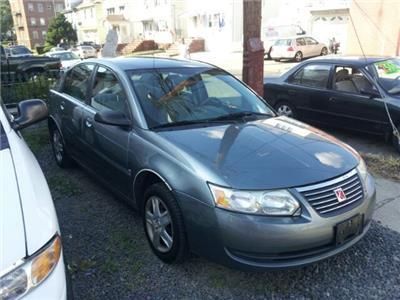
[(394, 128)]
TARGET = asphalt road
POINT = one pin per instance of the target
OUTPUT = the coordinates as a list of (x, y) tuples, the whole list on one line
[(108, 256)]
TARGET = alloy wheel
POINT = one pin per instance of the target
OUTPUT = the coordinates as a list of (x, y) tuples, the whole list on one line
[(58, 146), (159, 224)]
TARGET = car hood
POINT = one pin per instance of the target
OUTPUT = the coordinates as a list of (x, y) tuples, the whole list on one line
[(12, 245), (265, 154)]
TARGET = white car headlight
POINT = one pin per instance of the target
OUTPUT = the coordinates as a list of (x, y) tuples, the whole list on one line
[(273, 203), (33, 271)]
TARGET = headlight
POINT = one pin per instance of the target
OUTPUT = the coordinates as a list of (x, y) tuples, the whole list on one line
[(33, 271), (362, 170), (273, 203)]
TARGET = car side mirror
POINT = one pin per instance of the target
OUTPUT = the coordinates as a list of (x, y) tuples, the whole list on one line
[(30, 112), (114, 118), (370, 92)]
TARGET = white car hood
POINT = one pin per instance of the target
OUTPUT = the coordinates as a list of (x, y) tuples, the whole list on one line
[(12, 233)]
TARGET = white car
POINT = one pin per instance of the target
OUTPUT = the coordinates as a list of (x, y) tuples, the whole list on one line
[(67, 58), (31, 255), (85, 51), (297, 48)]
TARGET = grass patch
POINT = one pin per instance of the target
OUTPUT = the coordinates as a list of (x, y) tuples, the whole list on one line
[(63, 185), (36, 138), (385, 166)]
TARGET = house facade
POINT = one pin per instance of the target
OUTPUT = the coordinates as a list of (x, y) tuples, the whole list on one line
[(90, 21), (31, 19)]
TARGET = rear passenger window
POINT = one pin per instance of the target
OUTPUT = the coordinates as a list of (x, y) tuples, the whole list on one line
[(314, 75), (107, 93), (76, 81)]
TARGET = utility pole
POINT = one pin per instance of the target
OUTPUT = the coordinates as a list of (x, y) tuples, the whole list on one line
[(253, 49)]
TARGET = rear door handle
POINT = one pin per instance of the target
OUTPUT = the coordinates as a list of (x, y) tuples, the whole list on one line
[(88, 123), (332, 99), (62, 105)]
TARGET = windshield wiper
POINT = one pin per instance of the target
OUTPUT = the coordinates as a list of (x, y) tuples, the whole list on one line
[(185, 122), (220, 119), (242, 115)]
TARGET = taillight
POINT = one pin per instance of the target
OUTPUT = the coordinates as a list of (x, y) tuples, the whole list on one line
[(290, 48)]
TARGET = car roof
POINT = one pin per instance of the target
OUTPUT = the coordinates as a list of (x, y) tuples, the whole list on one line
[(132, 63), (353, 60)]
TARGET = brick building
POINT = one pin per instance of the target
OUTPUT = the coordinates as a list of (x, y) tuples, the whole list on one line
[(31, 19)]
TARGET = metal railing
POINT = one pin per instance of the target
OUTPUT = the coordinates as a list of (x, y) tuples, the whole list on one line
[(14, 89)]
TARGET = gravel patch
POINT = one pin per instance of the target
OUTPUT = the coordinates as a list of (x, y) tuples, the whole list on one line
[(108, 256)]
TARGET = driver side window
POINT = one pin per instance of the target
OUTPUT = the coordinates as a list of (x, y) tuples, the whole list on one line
[(350, 80)]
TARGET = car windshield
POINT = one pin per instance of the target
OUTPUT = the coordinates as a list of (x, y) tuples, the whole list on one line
[(20, 50), (388, 74), (179, 96), (65, 56), (86, 47)]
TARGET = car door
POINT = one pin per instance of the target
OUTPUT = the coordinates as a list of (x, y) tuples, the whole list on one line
[(301, 45), (312, 47), (106, 146), (307, 89), (352, 102), (69, 104)]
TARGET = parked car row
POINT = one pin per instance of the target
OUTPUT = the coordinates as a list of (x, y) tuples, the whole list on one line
[(209, 165)]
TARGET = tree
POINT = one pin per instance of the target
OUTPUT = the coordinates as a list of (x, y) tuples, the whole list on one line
[(6, 21), (59, 30)]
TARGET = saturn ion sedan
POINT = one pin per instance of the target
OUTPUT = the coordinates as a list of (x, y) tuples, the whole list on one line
[(209, 165), (31, 257)]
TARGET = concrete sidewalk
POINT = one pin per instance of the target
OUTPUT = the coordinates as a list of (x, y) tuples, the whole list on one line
[(388, 203)]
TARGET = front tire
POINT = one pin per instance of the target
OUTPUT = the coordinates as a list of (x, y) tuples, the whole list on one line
[(163, 225), (57, 144)]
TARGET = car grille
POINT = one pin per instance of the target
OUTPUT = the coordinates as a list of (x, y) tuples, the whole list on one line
[(322, 196)]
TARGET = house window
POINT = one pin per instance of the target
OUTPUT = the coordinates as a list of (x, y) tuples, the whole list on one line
[(40, 7), (42, 21), (33, 21), (49, 7), (121, 8), (30, 7), (110, 11), (91, 12), (35, 35), (59, 7), (44, 33)]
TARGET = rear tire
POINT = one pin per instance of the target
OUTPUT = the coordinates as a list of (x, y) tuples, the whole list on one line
[(298, 57), (284, 108), (324, 51), (163, 225)]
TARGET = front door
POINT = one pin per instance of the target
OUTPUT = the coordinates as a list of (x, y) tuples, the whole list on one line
[(106, 146), (352, 107)]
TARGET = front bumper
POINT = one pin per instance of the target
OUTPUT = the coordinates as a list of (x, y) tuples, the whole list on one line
[(258, 242)]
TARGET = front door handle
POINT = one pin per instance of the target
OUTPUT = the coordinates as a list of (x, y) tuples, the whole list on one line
[(62, 105), (88, 123), (332, 99)]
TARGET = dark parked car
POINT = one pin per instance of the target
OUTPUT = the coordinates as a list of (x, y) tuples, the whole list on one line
[(23, 68), (346, 92), (208, 164)]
